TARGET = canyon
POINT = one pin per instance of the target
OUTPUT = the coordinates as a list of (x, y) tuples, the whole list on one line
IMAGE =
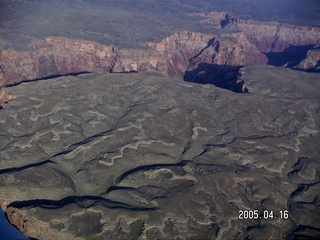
[(178, 55), (266, 36), (159, 120)]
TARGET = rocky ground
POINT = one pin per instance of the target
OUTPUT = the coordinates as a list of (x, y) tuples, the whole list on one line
[(133, 147), (144, 156)]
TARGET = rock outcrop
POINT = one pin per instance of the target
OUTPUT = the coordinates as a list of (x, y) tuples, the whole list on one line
[(276, 37), (247, 42), (184, 51), (4, 95), (56, 56), (311, 61), (178, 55), (267, 36), (17, 218), (284, 44), (173, 56)]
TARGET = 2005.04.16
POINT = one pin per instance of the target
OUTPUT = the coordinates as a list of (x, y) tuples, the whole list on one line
[(255, 214)]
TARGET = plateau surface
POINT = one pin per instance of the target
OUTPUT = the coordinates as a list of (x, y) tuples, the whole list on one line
[(147, 156), (109, 136)]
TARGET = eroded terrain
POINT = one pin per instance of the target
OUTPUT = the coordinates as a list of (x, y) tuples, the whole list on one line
[(144, 156), (136, 149)]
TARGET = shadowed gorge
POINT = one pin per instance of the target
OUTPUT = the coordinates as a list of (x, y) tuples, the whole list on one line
[(290, 57), (122, 119), (228, 77)]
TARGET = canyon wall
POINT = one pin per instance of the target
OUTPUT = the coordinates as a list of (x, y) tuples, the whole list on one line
[(4, 95), (244, 42), (55, 56), (172, 56), (311, 61), (184, 51), (276, 37), (267, 36)]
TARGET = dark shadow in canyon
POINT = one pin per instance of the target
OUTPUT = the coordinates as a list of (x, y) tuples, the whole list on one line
[(304, 232), (227, 20), (148, 167), (80, 201), (290, 57), (48, 77), (18, 169), (223, 76)]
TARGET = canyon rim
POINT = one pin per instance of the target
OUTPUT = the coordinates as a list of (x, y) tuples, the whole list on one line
[(160, 119)]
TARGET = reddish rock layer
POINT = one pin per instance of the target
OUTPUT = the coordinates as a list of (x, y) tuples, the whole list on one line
[(267, 36), (184, 51), (4, 95), (312, 60), (15, 216), (173, 56), (56, 56)]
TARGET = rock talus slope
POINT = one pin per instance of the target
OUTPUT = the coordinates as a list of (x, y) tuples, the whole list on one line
[(144, 156)]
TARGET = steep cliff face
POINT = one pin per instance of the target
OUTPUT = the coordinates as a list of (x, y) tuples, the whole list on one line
[(17, 66), (312, 60), (267, 36), (185, 51), (172, 56), (284, 44), (4, 95), (182, 53), (275, 37), (81, 55), (178, 50), (56, 56)]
